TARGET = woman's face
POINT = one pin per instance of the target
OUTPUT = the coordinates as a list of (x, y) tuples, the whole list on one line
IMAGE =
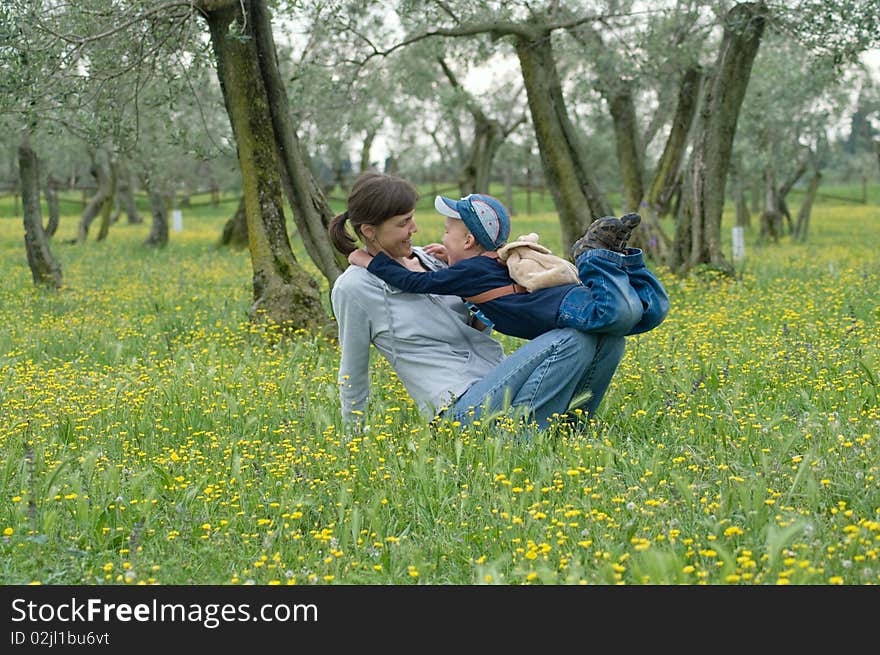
[(394, 236)]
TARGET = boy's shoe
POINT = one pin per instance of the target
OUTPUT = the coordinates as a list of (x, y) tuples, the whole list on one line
[(607, 232), (630, 222)]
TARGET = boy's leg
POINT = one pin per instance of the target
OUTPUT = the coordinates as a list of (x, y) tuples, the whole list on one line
[(607, 302), (652, 296)]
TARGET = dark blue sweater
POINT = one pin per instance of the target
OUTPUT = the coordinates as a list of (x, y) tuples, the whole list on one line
[(523, 315)]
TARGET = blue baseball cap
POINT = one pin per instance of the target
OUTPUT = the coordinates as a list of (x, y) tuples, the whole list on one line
[(485, 217)]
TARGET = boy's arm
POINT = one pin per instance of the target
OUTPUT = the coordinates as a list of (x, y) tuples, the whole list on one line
[(458, 280), (358, 257)]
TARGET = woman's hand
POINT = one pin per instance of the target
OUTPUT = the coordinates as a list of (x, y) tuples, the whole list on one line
[(437, 250), (359, 257)]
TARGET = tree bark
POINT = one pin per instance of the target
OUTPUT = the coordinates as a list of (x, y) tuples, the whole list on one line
[(698, 233), (743, 216), (235, 231), (771, 218), (366, 148), (51, 193), (666, 185), (159, 201), (311, 213), (46, 271), (488, 134), (575, 193), (785, 189), (623, 115), (126, 187), (101, 172), (802, 224), (284, 294), (476, 173), (107, 207)]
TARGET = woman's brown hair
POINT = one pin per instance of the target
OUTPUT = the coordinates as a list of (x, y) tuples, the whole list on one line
[(374, 198)]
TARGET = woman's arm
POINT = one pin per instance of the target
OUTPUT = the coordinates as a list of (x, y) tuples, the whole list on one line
[(355, 330)]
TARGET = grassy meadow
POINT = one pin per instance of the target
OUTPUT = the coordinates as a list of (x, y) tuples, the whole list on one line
[(150, 435)]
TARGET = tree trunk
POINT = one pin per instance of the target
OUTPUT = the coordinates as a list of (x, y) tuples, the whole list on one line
[(488, 135), (743, 217), (785, 189), (284, 294), (107, 207), (576, 195), (755, 196), (698, 233), (508, 191), (126, 187), (623, 114), (159, 201), (235, 231), (311, 213), (51, 193), (475, 175), (366, 148), (44, 269), (802, 224), (666, 184), (771, 219), (100, 169)]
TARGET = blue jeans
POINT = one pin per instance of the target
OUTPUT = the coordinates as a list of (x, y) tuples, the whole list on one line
[(619, 296), (543, 377)]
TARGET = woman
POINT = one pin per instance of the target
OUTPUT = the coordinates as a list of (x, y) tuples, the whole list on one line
[(448, 365)]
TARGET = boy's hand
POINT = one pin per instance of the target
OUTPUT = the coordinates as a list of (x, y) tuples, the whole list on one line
[(437, 250), (360, 257)]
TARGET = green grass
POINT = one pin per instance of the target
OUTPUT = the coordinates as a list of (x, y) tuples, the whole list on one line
[(150, 434)]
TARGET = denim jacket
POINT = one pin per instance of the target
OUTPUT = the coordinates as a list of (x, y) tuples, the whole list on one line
[(426, 338)]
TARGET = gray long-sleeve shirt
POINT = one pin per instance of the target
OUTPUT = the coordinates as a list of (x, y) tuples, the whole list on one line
[(426, 339)]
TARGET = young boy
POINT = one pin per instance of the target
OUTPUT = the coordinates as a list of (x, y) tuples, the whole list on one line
[(616, 295)]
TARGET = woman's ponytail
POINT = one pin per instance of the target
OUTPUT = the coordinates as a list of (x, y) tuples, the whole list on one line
[(340, 237)]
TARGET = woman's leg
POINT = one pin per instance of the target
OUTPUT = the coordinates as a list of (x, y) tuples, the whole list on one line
[(543, 376), (597, 376)]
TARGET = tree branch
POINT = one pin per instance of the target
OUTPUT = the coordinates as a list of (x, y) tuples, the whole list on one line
[(82, 40)]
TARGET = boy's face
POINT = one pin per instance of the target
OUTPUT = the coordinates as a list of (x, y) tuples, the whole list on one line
[(458, 241)]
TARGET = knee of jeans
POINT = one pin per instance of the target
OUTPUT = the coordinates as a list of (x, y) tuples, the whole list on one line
[(621, 319), (655, 312)]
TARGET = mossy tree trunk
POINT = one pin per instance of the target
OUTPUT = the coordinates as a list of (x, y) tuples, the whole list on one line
[(101, 173), (45, 270), (51, 193), (771, 218), (475, 174), (576, 194), (786, 187), (125, 193), (802, 223), (284, 294), (698, 229), (743, 216), (107, 207), (311, 212), (366, 149), (666, 185), (160, 200), (235, 230)]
